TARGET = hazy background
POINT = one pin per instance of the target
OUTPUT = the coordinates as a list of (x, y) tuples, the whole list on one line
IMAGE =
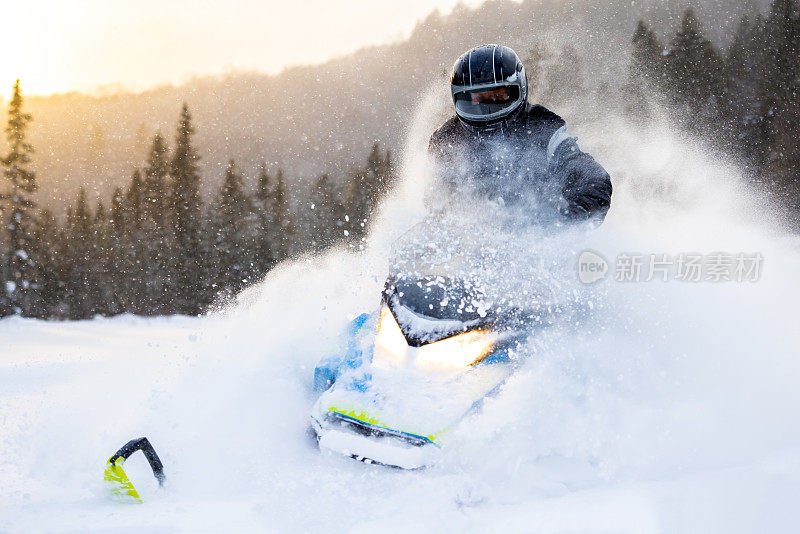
[(243, 69), (97, 45)]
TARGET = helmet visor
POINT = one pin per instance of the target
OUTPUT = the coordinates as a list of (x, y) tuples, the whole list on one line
[(486, 102)]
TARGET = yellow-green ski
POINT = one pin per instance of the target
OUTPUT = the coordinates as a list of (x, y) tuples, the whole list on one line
[(118, 482)]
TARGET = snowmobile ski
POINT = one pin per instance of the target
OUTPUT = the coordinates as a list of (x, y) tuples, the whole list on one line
[(117, 480)]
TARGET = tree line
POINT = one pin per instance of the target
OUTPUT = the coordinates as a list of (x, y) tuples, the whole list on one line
[(744, 99), (157, 246)]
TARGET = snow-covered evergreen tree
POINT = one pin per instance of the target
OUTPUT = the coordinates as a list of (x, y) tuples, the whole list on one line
[(102, 253), (20, 278), (191, 291), (645, 72), (282, 220), (364, 191), (156, 256), (779, 97), (563, 79), (234, 222), (156, 171), (80, 284), (694, 75), (739, 103), (326, 213), (266, 244), (48, 255)]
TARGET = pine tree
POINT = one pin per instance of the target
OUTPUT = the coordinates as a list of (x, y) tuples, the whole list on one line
[(81, 283), (133, 248), (282, 223), (365, 190), (234, 223), (645, 72), (779, 93), (359, 203), (100, 213), (266, 244), (157, 258), (738, 106), (191, 287), (564, 78), (264, 184), (694, 75), (537, 57), (19, 284), (118, 213), (155, 182), (327, 214), (141, 143), (83, 216), (119, 241), (134, 200), (47, 256), (647, 56), (103, 263)]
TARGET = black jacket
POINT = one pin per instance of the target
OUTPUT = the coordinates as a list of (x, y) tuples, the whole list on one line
[(529, 160)]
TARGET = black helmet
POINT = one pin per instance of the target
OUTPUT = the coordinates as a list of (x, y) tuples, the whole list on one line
[(488, 85)]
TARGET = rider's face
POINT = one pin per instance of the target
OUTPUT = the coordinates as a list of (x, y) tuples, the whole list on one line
[(491, 96)]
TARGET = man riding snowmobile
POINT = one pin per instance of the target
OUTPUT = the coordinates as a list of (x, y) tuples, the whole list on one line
[(512, 151), (460, 307)]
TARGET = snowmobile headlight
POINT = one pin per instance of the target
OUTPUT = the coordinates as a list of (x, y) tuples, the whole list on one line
[(390, 343), (459, 351)]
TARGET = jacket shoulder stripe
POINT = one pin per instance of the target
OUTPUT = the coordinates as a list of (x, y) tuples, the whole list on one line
[(556, 139)]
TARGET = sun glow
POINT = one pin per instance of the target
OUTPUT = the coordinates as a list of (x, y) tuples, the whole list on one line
[(90, 45)]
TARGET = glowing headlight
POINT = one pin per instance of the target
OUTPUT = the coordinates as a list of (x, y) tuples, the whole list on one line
[(462, 350), (390, 343)]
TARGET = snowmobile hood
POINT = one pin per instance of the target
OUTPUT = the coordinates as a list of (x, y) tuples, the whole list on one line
[(432, 308)]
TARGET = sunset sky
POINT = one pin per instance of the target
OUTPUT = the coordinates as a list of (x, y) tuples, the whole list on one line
[(62, 45)]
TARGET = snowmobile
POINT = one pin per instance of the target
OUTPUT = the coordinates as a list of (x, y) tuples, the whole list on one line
[(458, 314), (405, 375)]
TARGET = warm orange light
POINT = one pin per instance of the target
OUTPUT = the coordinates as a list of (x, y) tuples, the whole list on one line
[(461, 350), (57, 46), (391, 347)]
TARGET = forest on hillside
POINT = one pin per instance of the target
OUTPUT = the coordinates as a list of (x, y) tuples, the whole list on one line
[(159, 242), (157, 246)]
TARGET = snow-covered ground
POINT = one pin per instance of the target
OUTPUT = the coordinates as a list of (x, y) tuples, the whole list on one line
[(674, 408), (681, 429)]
